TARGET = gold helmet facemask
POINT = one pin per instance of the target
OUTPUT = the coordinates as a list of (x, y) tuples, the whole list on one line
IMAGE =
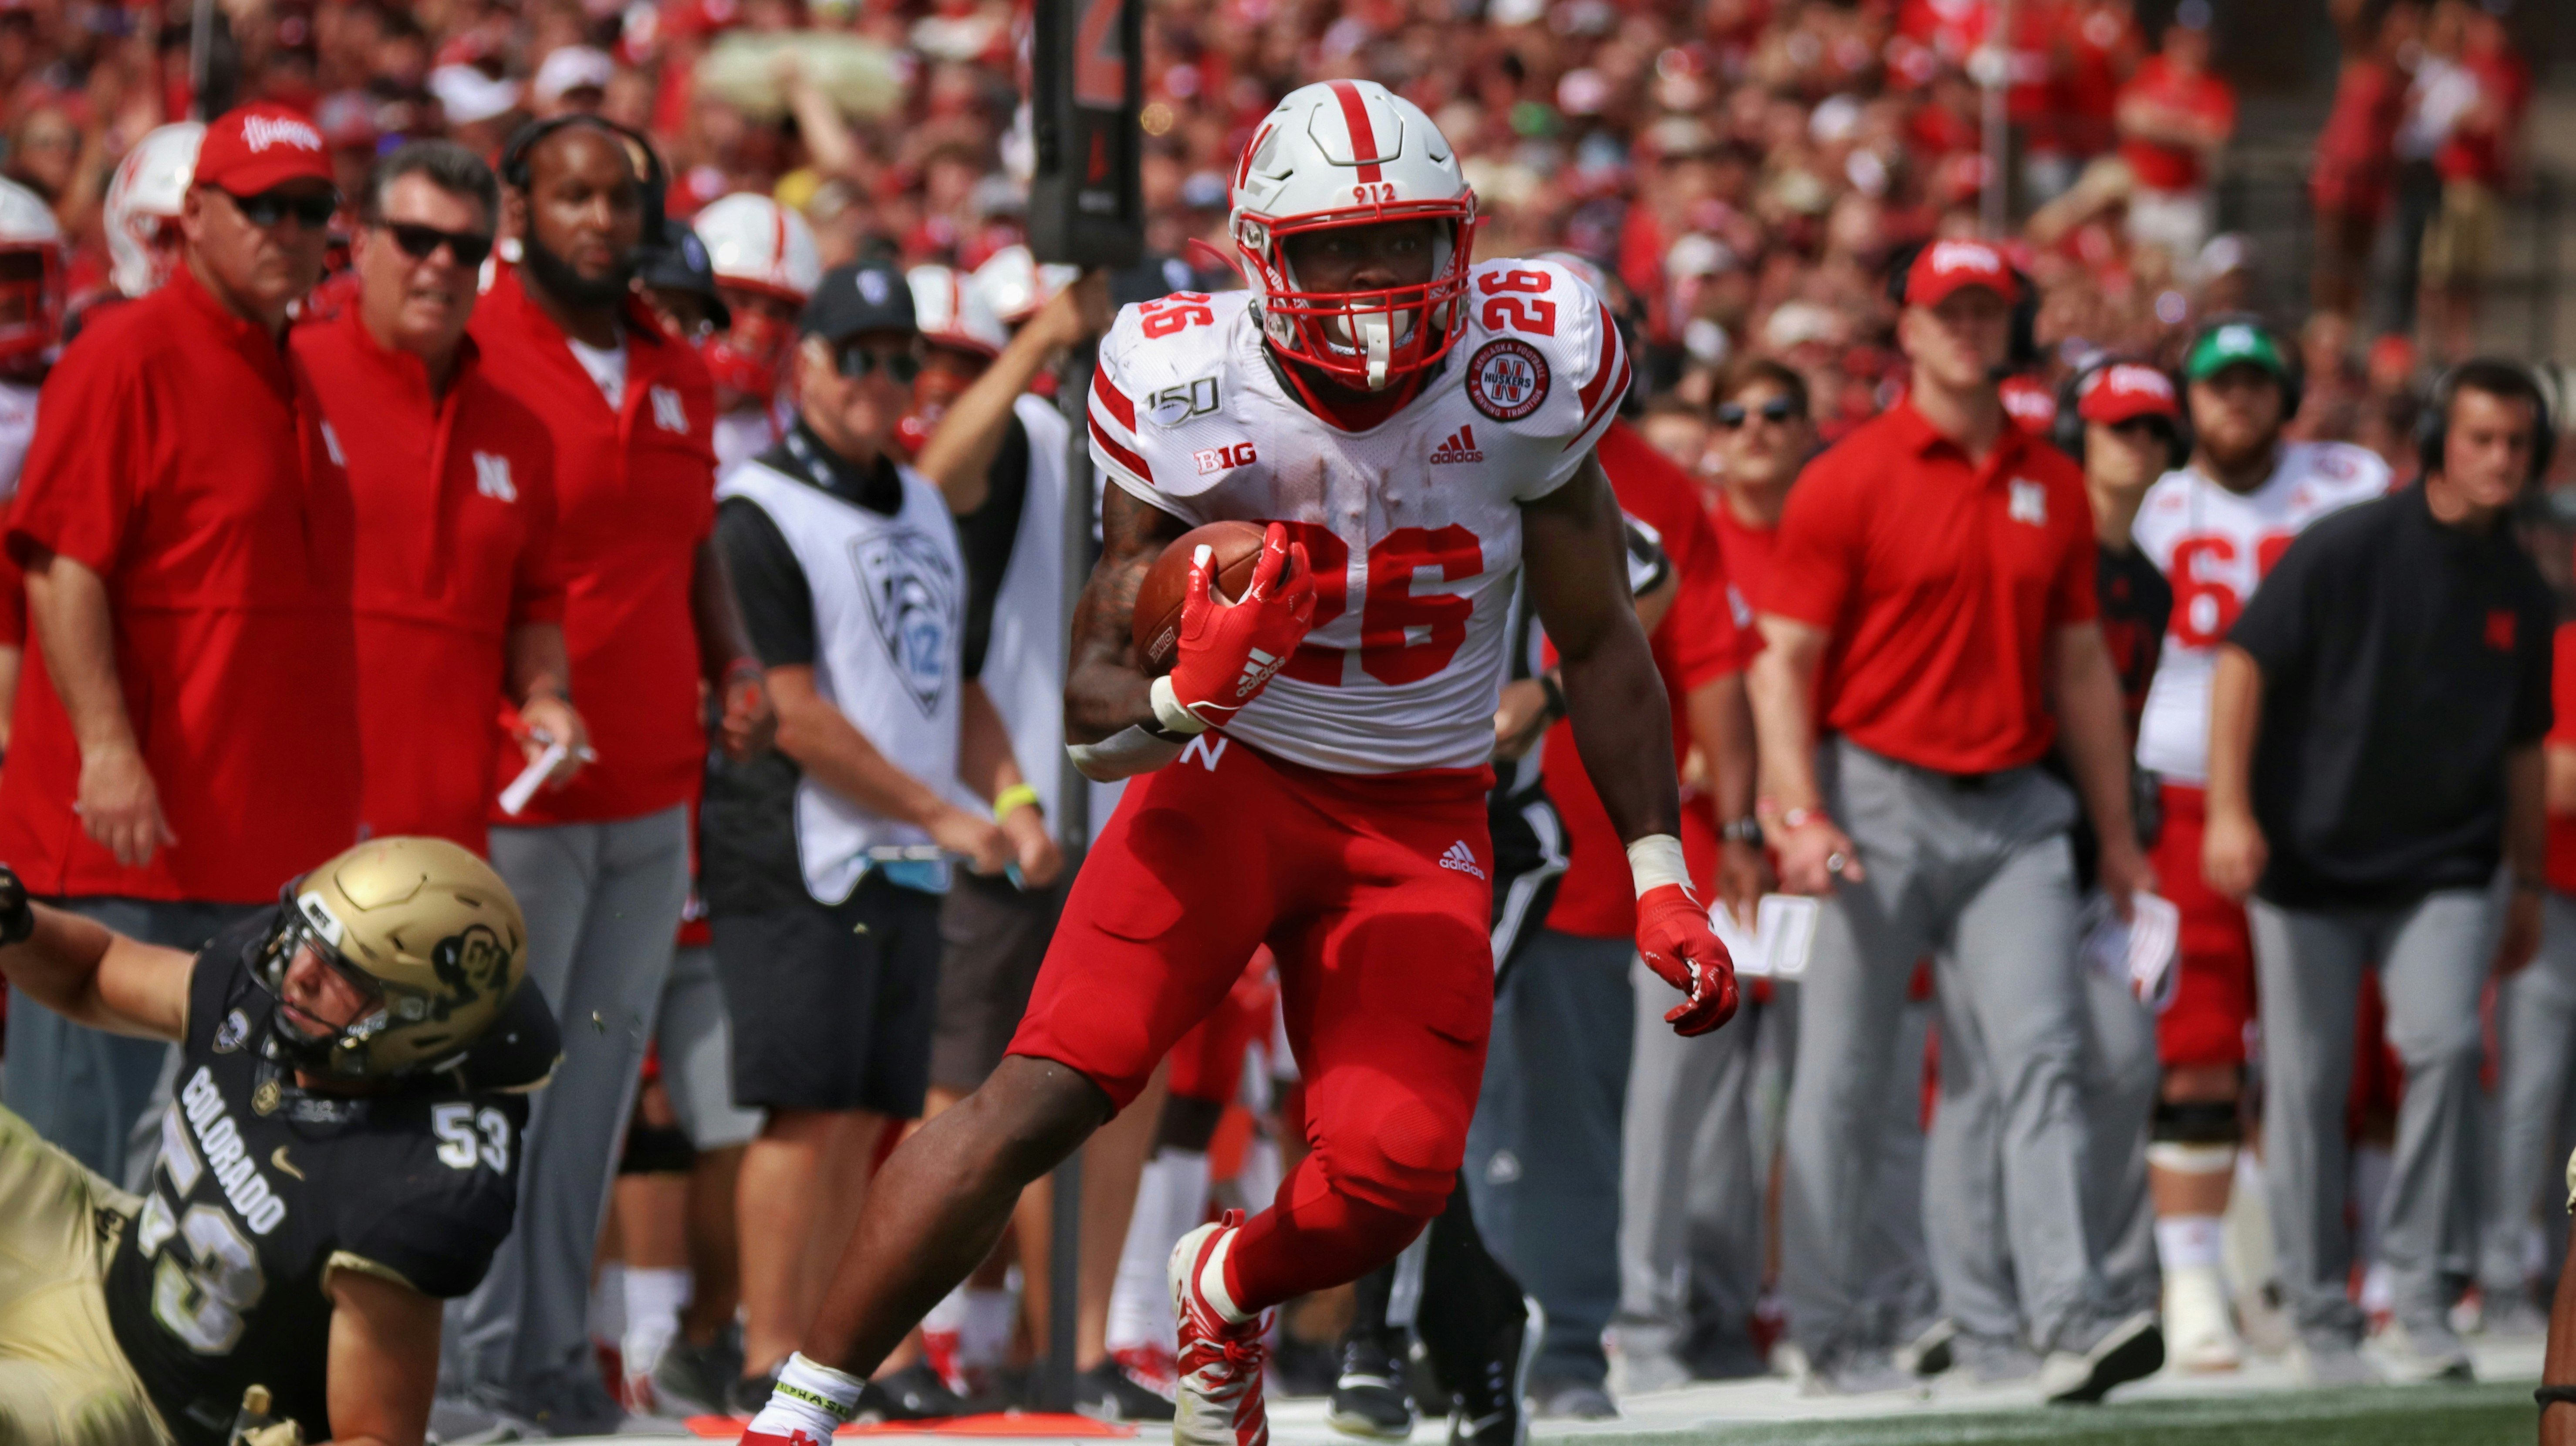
[(424, 930)]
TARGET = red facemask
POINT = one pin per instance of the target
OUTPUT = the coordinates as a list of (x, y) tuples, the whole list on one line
[(745, 360)]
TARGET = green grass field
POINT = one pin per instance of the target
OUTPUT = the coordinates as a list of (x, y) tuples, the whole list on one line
[(2487, 1415)]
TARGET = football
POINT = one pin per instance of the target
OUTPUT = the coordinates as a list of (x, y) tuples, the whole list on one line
[(1236, 551)]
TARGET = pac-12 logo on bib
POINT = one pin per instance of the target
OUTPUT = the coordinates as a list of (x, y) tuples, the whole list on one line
[(1507, 379), (912, 599)]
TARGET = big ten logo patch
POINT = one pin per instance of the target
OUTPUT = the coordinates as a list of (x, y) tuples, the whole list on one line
[(1221, 459)]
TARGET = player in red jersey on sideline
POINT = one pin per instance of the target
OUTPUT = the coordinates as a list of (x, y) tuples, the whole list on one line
[(1413, 429)]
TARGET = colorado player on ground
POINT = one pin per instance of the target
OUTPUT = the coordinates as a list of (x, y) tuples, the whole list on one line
[(2214, 528), (341, 1152), (1412, 429)]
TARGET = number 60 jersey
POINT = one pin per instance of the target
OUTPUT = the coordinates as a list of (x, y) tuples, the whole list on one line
[(1413, 526), (262, 1191)]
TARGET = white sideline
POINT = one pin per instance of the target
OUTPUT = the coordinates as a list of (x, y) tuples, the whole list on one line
[(1660, 1415)]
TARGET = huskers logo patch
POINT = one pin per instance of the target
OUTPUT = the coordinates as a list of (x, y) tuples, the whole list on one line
[(1507, 379)]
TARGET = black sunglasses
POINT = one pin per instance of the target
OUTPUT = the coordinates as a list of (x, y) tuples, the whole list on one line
[(1732, 415), (313, 209), (901, 363), (422, 242)]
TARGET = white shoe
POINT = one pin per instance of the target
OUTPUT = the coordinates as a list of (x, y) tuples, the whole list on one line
[(1217, 1401), (2197, 1331), (2411, 1358)]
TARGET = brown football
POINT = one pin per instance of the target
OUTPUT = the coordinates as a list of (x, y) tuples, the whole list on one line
[(1237, 551)]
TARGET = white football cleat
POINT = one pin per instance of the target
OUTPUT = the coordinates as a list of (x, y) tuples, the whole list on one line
[(2198, 1332), (1218, 1399)]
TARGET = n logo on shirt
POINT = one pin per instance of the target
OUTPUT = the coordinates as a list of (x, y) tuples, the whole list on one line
[(492, 477), (2027, 502), (669, 413), (331, 444)]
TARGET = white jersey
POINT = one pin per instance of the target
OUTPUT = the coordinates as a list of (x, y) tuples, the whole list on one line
[(1414, 526), (2214, 545), (17, 430), (746, 432)]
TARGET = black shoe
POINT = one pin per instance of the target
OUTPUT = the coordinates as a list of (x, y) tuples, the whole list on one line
[(1303, 1368), (914, 1393), (748, 1394), (696, 1380), (1369, 1398), (1492, 1403), (1107, 1393)]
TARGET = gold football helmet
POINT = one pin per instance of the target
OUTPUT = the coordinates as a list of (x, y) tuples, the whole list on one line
[(422, 927)]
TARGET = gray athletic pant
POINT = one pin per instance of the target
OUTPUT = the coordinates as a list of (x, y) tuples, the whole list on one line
[(1544, 1147), (1691, 1188), (1979, 873), (1702, 1131), (1963, 1180), (695, 1036), (88, 1091), (603, 902), (2432, 957), (2535, 1115)]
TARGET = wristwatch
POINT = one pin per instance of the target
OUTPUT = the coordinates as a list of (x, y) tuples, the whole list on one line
[(1745, 830)]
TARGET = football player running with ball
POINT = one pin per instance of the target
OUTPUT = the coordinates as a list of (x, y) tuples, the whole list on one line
[(1411, 430)]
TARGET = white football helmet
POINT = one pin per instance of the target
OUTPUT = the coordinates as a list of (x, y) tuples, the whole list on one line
[(952, 312), (150, 187), (756, 243), (31, 274), (1347, 153), (1014, 285)]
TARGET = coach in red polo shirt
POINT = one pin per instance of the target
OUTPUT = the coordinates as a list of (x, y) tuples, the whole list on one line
[(184, 740), (601, 865), (458, 604), (1929, 621)]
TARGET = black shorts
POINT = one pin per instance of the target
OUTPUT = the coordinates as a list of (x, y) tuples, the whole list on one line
[(995, 937), (832, 1005)]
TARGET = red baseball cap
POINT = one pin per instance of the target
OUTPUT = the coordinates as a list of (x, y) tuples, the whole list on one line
[(2126, 391), (255, 148), (1947, 266), (2029, 402)]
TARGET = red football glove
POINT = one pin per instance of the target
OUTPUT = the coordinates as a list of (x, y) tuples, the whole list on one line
[(1228, 651), (1674, 936)]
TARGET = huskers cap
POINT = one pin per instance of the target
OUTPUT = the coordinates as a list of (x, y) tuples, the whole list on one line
[(1948, 266), (2126, 391), (256, 148)]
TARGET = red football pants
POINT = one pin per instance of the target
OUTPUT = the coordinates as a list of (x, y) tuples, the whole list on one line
[(1374, 895), (1207, 1064)]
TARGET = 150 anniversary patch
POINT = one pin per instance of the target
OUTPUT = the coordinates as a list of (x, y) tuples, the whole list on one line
[(1507, 379)]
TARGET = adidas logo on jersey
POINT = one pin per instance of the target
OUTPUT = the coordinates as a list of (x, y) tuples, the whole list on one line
[(1461, 447), (1462, 859)]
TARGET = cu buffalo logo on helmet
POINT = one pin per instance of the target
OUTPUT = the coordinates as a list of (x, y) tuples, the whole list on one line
[(469, 965)]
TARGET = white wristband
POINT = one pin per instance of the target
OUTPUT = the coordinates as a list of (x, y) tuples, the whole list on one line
[(1123, 754), (1168, 709), (1656, 860)]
